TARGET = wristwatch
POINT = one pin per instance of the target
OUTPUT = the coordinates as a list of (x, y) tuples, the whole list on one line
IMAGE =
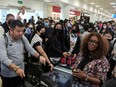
[(15, 68)]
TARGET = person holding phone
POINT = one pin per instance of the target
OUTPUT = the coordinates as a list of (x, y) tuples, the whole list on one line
[(91, 65)]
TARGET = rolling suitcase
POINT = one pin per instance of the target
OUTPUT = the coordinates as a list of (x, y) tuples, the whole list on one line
[(61, 76)]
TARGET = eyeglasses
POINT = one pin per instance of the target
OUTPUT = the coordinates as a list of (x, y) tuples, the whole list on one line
[(94, 42)]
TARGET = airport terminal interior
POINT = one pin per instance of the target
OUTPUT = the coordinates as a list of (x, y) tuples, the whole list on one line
[(57, 43)]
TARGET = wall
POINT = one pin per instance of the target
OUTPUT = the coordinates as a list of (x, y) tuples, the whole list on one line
[(99, 13), (33, 4)]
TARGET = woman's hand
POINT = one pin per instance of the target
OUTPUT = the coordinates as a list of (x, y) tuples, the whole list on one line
[(79, 74), (74, 55), (65, 54), (51, 66)]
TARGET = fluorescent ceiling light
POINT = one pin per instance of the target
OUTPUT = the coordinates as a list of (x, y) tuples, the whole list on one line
[(97, 6), (92, 3), (101, 8), (112, 3), (47, 1)]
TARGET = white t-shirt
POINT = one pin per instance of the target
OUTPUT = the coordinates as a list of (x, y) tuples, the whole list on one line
[(22, 16)]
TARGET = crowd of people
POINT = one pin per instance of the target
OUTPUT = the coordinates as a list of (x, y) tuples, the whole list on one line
[(91, 44)]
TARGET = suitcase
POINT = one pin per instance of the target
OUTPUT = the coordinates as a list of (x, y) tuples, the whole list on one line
[(61, 76)]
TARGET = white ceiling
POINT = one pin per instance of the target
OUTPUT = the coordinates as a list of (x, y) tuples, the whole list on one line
[(105, 4)]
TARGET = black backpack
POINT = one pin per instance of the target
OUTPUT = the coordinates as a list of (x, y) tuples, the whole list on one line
[(29, 36)]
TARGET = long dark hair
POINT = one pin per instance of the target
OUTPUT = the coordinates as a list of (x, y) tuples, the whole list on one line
[(54, 32)]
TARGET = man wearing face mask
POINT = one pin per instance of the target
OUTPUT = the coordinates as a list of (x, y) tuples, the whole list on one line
[(48, 30), (6, 24), (29, 31)]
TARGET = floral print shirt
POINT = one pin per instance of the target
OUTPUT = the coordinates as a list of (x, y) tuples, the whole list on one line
[(97, 68)]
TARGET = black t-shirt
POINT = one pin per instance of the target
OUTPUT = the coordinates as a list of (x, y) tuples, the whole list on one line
[(85, 61)]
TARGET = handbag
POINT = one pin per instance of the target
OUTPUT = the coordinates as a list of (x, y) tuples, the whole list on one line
[(69, 61)]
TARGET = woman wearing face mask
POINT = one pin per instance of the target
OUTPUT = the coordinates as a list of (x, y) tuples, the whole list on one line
[(36, 42), (55, 47), (75, 40), (103, 29)]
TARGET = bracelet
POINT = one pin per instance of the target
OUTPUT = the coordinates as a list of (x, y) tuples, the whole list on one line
[(16, 68), (50, 63)]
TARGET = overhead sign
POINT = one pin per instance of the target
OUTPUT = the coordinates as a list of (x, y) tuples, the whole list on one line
[(56, 9), (77, 13), (20, 1)]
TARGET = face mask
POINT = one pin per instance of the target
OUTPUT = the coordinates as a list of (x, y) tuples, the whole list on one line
[(46, 24), (109, 40), (82, 22), (104, 27), (95, 26), (52, 25), (69, 25), (74, 31), (58, 30), (42, 35), (30, 26)]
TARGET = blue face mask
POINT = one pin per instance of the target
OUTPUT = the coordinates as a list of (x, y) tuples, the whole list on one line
[(46, 24)]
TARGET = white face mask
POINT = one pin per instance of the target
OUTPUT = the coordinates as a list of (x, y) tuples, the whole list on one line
[(82, 22), (104, 27), (95, 25), (52, 25), (30, 26)]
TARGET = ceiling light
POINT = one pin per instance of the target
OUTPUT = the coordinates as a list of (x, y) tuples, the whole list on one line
[(97, 6), (112, 3), (101, 8), (92, 3), (47, 1)]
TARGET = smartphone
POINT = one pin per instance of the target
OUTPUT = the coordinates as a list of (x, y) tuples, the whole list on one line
[(76, 70)]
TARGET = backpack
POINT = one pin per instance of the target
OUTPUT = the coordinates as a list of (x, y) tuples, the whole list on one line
[(29, 36), (26, 59), (6, 40)]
